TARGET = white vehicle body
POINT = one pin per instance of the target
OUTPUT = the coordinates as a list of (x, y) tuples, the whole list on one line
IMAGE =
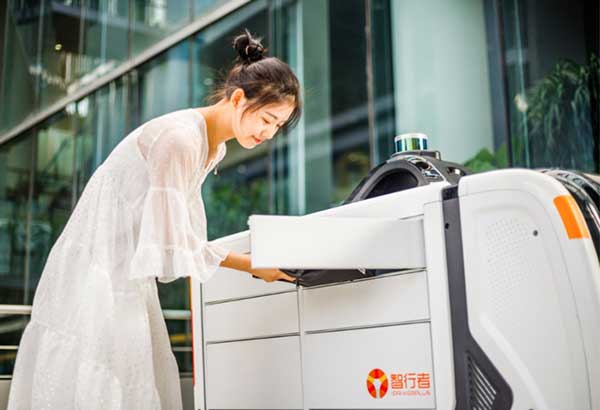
[(494, 303)]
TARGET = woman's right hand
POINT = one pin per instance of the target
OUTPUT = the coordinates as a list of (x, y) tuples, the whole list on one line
[(270, 275), (243, 262)]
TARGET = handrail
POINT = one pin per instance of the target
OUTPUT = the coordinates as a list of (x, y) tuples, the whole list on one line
[(169, 314)]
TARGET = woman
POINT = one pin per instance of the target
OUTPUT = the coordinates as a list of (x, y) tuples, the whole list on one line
[(97, 338)]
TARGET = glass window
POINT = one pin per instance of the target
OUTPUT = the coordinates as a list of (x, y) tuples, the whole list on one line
[(55, 47), (11, 330), (287, 168), (316, 149), (3, 11), (52, 200), (101, 119), (180, 333), (242, 184), (59, 54), (184, 358), (202, 7), (338, 148), (87, 141), (7, 361), (441, 79), (19, 100), (163, 83), (350, 145), (152, 20), (15, 184), (551, 55), (81, 41), (104, 39), (382, 80)]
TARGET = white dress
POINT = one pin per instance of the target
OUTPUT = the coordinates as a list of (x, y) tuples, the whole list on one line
[(97, 338)]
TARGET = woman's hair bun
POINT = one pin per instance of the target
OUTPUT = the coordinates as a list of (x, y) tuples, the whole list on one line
[(249, 49)]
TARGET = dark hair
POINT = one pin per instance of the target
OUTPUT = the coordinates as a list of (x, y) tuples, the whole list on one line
[(265, 80)]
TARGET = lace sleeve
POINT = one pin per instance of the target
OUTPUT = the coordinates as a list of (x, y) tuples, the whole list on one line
[(168, 246)]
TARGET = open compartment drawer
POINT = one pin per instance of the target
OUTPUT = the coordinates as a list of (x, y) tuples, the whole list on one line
[(329, 242)]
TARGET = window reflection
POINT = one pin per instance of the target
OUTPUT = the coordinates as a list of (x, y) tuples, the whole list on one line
[(438, 79), (184, 358), (163, 83), (152, 20), (242, 184), (86, 142), (104, 41), (56, 47), (81, 41), (15, 169), (7, 361), (203, 7), (553, 70), (19, 47), (382, 80), (52, 192), (238, 191), (100, 124), (349, 104), (180, 334), (11, 329)]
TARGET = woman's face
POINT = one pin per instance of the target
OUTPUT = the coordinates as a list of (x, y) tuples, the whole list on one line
[(255, 127)]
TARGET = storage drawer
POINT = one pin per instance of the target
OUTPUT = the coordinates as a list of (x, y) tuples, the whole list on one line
[(231, 284), (338, 365), (255, 374), (389, 298), (329, 242), (248, 318)]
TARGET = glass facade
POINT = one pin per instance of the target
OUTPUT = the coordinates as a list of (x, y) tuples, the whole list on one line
[(493, 83), (57, 47), (443, 87), (552, 67)]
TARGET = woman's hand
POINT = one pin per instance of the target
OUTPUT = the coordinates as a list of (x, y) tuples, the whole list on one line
[(242, 262), (270, 275)]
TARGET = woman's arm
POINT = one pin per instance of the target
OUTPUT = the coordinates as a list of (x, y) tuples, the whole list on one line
[(241, 261)]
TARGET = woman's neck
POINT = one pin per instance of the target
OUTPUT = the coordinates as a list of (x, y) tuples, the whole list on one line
[(218, 124)]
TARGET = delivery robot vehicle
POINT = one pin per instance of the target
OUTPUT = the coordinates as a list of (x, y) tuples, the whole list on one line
[(430, 288)]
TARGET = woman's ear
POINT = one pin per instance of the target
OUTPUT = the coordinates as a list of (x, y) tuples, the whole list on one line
[(237, 97)]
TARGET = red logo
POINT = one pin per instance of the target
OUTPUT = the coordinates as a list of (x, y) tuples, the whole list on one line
[(377, 383)]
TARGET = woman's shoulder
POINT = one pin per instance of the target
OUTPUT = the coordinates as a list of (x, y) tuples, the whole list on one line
[(177, 130), (189, 119)]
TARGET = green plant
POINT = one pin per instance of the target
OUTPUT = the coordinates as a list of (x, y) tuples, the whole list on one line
[(229, 203), (558, 116), (484, 160)]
